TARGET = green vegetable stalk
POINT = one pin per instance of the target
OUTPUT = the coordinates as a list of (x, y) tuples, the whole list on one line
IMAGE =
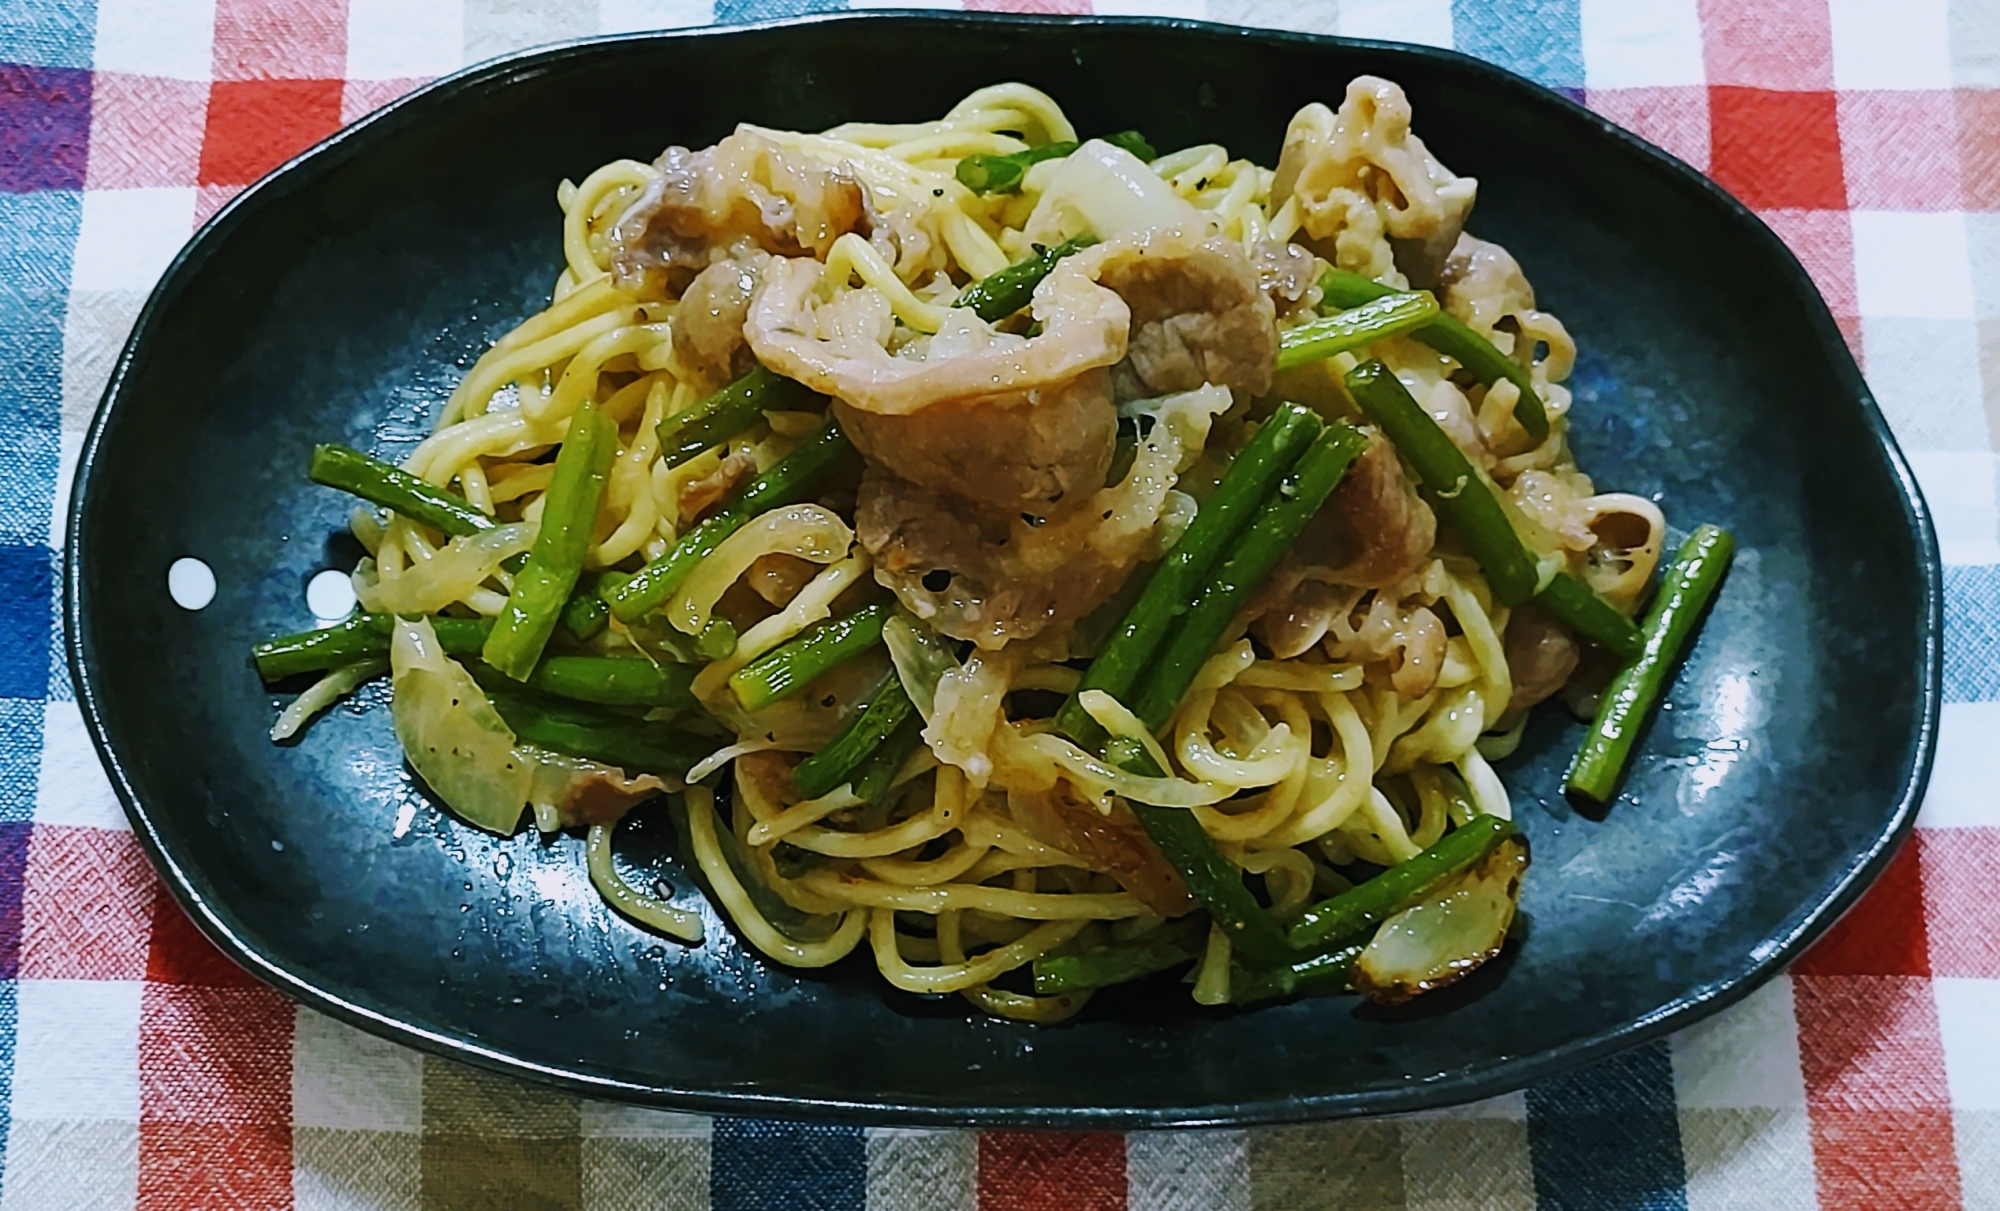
[(1002, 174), (1463, 499), (731, 411), (357, 638), (1210, 876), (794, 477), (1357, 911), (1251, 476), (1449, 336), (395, 489), (995, 297), (841, 757), (1686, 588), (1356, 328), (569, 511), (791, 666), (1262, 543), (591, 734), (1161, 950)]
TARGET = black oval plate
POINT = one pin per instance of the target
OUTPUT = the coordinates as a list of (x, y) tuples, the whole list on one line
[(339, 299)]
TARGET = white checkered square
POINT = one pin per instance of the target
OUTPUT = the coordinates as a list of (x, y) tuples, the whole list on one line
[(1962, 791), (94, 330), (1908, 264), (1298, 16), (172, 38), (404, 39), (1426, 22), (71, 788), (345, 1080), (76, 1053), (1508, 1107), (1975, 60), (127, 236), (1652, 45), (77, 1166), (610, 1120), (925, 1169), (631, 16), (1900, 45), (1748, 1159), (1746, 1057), (69, 447), (1967, 1010), (1959, 487), (1170, 1170), (356, 1170), (1925, 374)]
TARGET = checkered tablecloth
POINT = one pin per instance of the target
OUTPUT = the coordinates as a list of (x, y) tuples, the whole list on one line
[(138, 1068)]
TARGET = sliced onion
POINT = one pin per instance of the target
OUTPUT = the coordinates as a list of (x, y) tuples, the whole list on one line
[(810, 532), (451, 735), (1446, 937), (453, 573)]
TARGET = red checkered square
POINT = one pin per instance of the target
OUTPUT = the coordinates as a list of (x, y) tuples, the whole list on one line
[(1869, 1043), (1776, 149), (280, 39), (1767, 43), (1051, 1171), (221, 1056), (1883, 934), (1868, 1160), (86, 905), (1979, 148), (145, 131), (363, 97), (216, 1167), (181, 955), (1823, 240), (1899, 150), (256, 125), (1675, 119), (1961, 869)]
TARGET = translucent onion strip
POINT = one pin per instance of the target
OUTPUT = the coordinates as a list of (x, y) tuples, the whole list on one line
[(811, 532), (324, 693)]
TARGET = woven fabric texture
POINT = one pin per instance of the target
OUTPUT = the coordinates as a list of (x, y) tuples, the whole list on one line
[(140, 1069)]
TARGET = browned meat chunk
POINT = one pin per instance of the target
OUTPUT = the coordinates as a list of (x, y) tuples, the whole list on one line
[(708, 324), (1483, 284), (979, 576), (1370, 195), (743, 190), (1540, 656), (1014, 455), (1286, 272), (1199, 315), (698, 495), (1375, 529)]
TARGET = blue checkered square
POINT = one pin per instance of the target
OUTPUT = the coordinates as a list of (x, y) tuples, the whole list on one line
[(20, 768), (48, 33), (1972, 633), (1541, 39), (24, 623)]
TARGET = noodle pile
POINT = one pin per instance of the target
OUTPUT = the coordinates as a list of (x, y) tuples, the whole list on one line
[(1344, 725)]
